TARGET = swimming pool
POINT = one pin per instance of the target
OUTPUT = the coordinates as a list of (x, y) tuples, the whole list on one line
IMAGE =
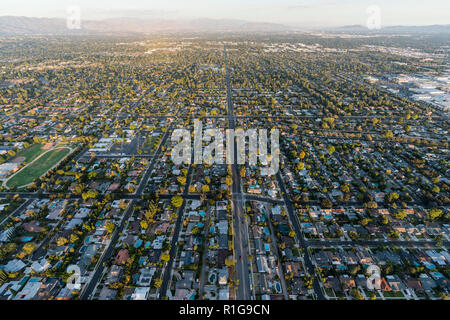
[(430, 266), (212, 278), (138, 243), (142, 261), (278, 287), (26, 239)]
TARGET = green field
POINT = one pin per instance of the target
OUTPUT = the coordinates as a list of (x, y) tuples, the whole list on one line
[(37, 168), (31, 153)]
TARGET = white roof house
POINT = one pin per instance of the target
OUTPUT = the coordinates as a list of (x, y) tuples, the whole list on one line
[(222, 276), (140, 293), (14, 266), (224, 294), (40, 266), (30, 290)]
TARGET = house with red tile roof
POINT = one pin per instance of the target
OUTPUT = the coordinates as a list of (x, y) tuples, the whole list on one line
[(122, 257)]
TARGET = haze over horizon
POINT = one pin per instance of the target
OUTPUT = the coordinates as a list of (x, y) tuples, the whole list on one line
[(300, 13)]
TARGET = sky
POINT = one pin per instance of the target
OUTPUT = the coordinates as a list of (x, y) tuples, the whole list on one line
[(302, 13)]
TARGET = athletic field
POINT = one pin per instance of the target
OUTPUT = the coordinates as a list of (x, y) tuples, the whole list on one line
[(37, 168)]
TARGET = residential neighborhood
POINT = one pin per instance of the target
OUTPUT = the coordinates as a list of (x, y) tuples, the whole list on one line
[(93, 205)]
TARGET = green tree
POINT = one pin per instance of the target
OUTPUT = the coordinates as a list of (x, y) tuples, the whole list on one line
[(400, 214), (330, 149), (157, 283), (356, 294), (177, 201), (435, 213), (110, 226), (165, 257), (205, 188)]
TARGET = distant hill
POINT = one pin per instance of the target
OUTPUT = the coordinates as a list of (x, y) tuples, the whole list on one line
[(420, 29), (23, 25), (394, 29), (10, 25)]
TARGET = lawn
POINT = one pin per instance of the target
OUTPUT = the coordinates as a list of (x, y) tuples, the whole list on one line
[(38, 168), (32, 152), (393, 294)]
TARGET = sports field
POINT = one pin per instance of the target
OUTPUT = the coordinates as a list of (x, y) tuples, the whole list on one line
[(37, 168), (31, 153)]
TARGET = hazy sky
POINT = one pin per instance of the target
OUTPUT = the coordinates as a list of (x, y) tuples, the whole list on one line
[(292, 12)]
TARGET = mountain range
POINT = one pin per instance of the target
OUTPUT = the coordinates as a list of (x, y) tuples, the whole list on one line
[(395, 29), (12, 25), (15, 25)]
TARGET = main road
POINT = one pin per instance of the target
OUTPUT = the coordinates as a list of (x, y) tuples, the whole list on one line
[(239, 225)]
